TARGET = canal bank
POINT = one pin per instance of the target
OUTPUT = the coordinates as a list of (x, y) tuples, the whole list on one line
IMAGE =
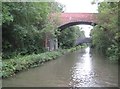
[(11, 67), (82, 68)]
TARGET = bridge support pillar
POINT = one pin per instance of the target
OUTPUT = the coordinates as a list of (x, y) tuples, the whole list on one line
[(51, 43)]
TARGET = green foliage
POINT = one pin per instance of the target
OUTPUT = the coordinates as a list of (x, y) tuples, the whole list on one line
[(12, 66), (68, 36), (6, 15), (24, 26), (113, 52), (106, 39), (100, 40)]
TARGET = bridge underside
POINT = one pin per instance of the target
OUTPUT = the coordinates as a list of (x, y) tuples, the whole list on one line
[(76, 23)]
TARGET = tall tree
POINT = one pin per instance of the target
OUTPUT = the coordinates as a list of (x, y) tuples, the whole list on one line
[(106, 39), (24, 25)]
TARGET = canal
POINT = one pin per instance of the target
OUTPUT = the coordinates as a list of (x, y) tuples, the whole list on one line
[(83, 68)]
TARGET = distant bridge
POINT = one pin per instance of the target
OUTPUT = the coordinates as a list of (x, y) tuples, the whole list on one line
[(83, 40)]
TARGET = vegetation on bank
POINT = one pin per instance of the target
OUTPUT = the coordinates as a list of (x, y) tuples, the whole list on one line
[(26, 25), (106, 35), (12, 66), (25, 28), (68, 36)]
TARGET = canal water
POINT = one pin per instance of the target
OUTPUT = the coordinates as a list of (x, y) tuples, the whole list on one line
[(83, 68)]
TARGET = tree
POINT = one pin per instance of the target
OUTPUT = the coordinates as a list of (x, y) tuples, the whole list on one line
[(106, 38), (68, 36), (24, 26)]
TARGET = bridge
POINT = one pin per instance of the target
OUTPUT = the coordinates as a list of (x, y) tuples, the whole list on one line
[(65, 20), (83, 40), (70, 19)]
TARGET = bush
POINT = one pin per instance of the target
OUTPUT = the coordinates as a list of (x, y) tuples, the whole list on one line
[(12, 66)]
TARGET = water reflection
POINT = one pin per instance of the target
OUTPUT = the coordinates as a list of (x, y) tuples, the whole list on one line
[(87, 64), (78, 69), (82, 73)]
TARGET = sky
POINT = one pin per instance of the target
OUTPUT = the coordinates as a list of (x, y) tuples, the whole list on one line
[(86, 29), (80, 6)]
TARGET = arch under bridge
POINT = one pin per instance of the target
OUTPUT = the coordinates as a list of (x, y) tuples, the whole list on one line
[(69, 19)]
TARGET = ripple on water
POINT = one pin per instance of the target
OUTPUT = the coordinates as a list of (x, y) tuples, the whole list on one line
[(82, 72)]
